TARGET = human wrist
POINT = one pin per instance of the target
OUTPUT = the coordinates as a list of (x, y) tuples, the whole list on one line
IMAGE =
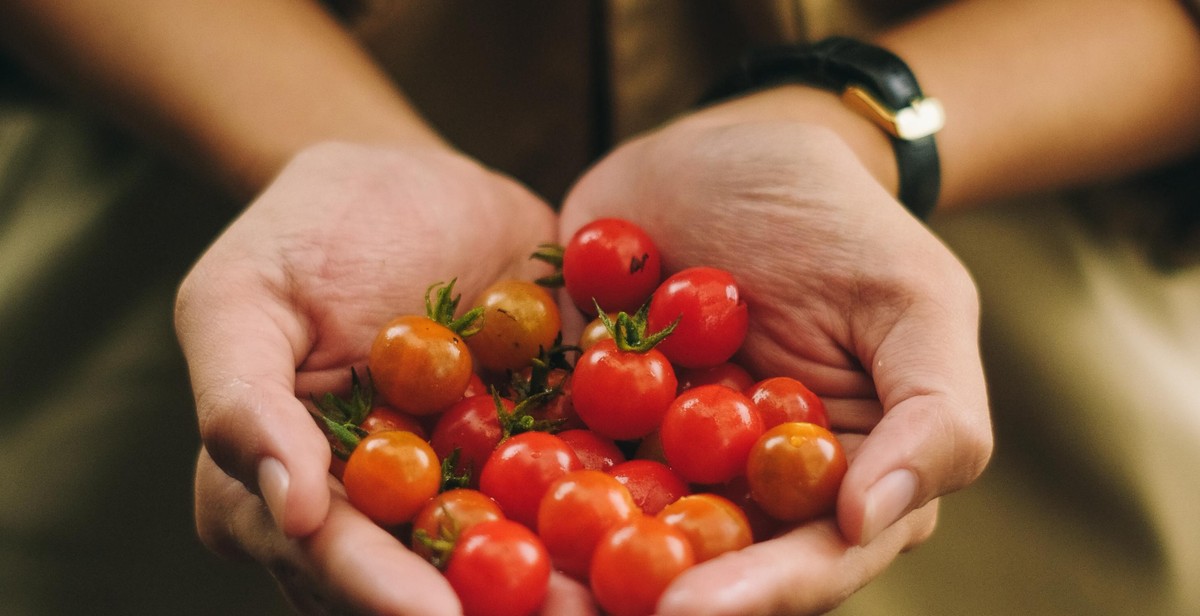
[(873, 82), (815, 107), (251, 158)]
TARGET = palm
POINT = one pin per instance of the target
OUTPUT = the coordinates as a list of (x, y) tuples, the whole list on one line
[(343, 242), (848, 293), (802, 229)]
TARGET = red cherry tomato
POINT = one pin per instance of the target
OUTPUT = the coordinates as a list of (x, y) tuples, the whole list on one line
[(499, 568), (728, 374), (595, 452), (475, 386), (576, 511), (522, 468), (391, 475), (520, 319), (386, 418), (650, 448), (712, 317), (449, 514), (712, 523), (707, 433), (622, 394), (653, 485), (795, 471), (781, 399), (419, 366), (472, 426), (613, 262), (559, 409), (633, 564)]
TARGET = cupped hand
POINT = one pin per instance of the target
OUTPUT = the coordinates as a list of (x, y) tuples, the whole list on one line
[(291, 295), (847, 292), (347, 566)]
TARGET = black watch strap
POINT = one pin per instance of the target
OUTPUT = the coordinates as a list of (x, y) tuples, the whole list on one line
[(876, 83)]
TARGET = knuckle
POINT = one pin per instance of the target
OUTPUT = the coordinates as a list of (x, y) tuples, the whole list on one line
[(976, 444)]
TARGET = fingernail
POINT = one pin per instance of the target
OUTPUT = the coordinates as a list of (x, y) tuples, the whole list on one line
[(273, 485), (886, 501)]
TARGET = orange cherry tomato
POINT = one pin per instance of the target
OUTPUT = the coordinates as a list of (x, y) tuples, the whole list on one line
[(593, 332), (795, 470), (419, 366), (391, 475), (712, 523), (520, 319)]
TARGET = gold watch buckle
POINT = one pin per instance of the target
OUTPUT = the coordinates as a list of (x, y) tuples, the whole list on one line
[(922, 118)]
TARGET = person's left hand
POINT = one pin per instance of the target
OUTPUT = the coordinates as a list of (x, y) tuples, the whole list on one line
[(848, 293), (280, 308)]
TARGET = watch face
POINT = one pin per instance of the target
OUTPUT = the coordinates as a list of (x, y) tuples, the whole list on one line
[(922, 118)]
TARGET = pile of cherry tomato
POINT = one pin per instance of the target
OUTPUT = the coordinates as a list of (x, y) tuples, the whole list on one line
[(500, 454)]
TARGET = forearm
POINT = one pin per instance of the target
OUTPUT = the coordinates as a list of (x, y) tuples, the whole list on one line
[(236, 87), (1043, 95), (1038, 95)]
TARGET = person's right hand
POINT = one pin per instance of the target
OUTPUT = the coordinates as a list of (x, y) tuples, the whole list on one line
[(284, 303), (848, 293)]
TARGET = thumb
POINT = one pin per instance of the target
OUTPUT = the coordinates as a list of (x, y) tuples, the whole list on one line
[(241, 356), (935, 436)]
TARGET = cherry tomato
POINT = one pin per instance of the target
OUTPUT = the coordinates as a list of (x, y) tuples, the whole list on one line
[(728, 374), (762, 525), (713, 524), (633, 564), (386, 418), (595, 452), (613, 262), (499, 568), (560, 409), (576, 511), (707, 433), (472, 426), (419, 366), (650, 448), (520, 319), (622, 394), (712, 317), (475, 387), (593, 332), (795, 471), (449, 514), (378, 419), (653, 485), (780, 399), (522, 468), (391, 475)]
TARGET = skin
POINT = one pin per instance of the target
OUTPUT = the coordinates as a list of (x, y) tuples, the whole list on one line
[(885, 332)]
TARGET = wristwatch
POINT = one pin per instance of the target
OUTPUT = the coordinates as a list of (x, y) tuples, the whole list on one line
[(872, 81)]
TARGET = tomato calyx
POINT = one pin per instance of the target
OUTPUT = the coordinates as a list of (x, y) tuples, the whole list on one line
[(519, 419), (552, 255), (341, 417), (450, 479), (630, 331), (440, 308), (538, 380), (442, 546)]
